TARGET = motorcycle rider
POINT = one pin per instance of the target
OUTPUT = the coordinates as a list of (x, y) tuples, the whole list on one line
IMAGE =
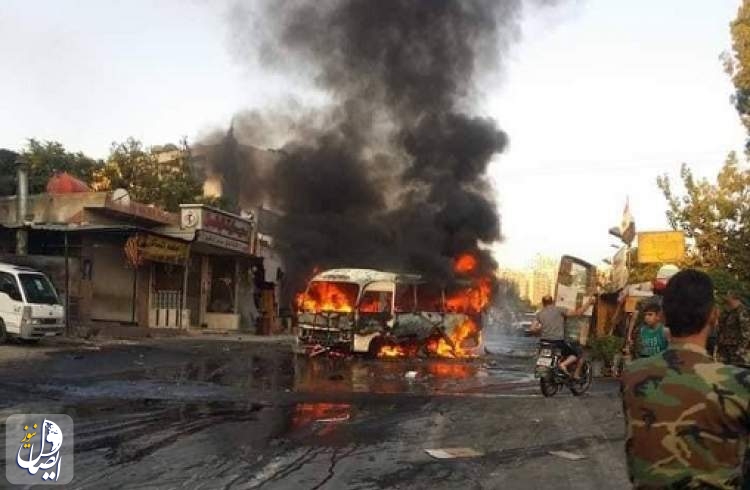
[(550, 321)]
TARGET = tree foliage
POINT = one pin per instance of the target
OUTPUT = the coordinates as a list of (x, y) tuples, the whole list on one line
[(724, 282), (643, 272), (45, 158), (737, 64), (715, 216), (133, 167)]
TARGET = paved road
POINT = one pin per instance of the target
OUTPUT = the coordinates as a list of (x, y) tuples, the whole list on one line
[(208, 413)]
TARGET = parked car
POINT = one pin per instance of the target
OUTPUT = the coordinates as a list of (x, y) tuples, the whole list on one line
[(29, 305)]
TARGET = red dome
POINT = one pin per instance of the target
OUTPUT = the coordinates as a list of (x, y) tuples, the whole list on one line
[(64, 183)]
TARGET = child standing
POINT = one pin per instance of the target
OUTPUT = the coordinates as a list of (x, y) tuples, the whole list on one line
[(653, 335)]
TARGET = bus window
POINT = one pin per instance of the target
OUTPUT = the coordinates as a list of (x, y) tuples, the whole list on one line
[(429, 298), (405, 298), (375, 302)]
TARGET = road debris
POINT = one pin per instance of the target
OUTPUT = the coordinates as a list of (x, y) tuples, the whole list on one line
[(453, 452), (333, 420), (316, 350), (568, 455)]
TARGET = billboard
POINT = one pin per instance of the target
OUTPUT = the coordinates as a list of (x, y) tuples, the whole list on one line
[(656, 247)]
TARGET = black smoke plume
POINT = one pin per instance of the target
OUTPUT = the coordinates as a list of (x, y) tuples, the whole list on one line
[(391, 172)]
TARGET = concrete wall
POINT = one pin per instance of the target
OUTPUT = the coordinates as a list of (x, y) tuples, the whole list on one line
[(52, 208)]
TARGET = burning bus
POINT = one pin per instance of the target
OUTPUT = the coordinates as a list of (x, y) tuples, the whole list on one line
[(386, 314)]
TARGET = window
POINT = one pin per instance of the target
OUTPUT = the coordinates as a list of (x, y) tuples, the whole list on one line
[(329, 296), (429, 298), (405, 298), (38, 289), (375, 302), (9, 286)]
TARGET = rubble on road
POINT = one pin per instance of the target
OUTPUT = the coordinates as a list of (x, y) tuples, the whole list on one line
[(453, 452)]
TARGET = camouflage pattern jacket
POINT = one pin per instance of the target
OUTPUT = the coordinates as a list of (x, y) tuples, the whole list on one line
[(734, 335), (687, 420)]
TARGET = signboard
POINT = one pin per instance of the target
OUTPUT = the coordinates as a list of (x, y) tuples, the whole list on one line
[(227, 226), (218, 224), (660, 246), (204, 236), (142, 247)]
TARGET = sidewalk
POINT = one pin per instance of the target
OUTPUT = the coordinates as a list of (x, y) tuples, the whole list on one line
[(239, 336), (131, 332)]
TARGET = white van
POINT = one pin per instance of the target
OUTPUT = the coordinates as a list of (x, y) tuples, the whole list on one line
[(29, 306)]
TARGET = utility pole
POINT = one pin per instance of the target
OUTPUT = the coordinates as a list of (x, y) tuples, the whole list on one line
[(22, 203)]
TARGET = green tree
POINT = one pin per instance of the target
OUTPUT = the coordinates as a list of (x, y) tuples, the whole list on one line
[(45, 158), (725, 282), (642, 272), (715, 216), (135, 168), (737, 64)]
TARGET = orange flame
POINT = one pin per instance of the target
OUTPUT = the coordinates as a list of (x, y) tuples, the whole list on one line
[(392, 351), (456, 344), (465, 263), (370, 306), (451, 369), (471, 299), (328, 296)]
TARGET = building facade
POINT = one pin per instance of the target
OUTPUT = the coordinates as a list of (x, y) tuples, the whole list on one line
[(118, 261)]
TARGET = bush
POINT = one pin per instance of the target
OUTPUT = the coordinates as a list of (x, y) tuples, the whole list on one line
[(606, 348)]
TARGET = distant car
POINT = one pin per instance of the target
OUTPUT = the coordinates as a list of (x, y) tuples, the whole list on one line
[(523, 325)]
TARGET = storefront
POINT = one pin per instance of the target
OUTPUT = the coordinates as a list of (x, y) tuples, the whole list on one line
[(220, 283), (162, 265)]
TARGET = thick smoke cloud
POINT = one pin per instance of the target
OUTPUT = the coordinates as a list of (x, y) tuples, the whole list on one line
[(392, 172)]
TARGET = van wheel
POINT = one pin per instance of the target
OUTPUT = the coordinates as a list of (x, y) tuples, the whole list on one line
[(3, 333), (374, 347)]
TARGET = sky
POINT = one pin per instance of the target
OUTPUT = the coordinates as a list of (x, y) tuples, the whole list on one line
[(598, 98)]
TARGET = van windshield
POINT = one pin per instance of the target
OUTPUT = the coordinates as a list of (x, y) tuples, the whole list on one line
[(38, 289), (329, 296)]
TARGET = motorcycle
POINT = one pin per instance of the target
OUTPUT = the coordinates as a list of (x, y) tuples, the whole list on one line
[(552, 378)]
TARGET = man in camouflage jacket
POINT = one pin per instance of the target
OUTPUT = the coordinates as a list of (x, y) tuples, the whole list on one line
[(733, 343), (687, 417)]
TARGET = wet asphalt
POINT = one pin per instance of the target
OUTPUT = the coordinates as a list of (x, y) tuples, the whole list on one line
[(225, 414)]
